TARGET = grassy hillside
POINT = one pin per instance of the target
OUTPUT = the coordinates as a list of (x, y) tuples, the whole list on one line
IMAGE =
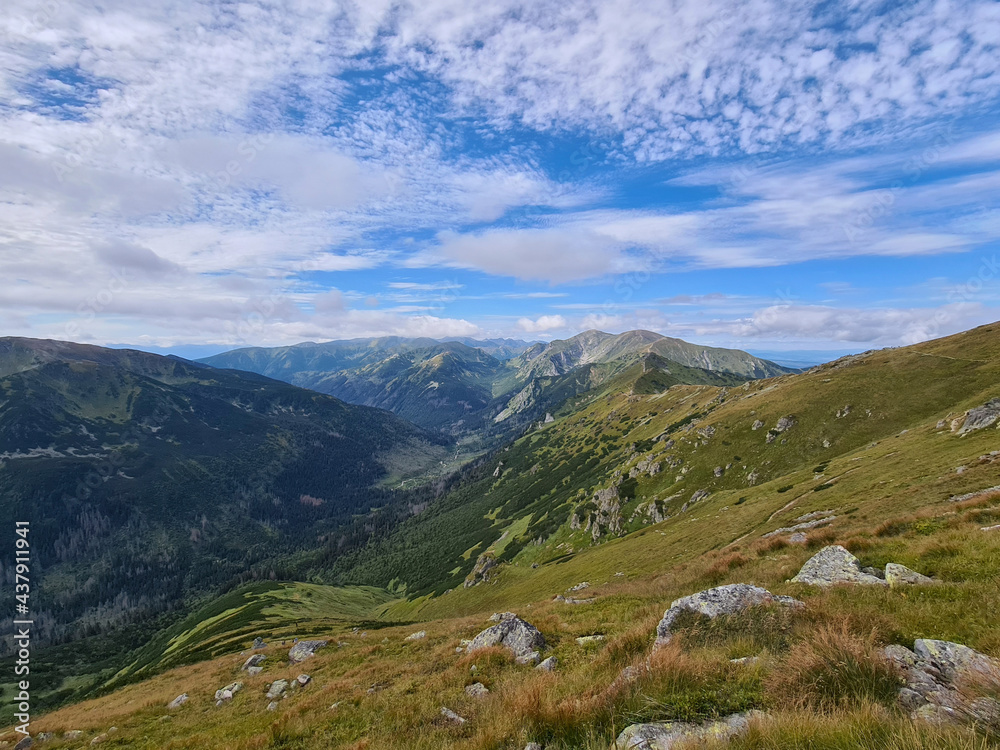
[(871, 445)]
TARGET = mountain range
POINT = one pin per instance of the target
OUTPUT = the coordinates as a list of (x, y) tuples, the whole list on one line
[(648, 481), (486, 388)]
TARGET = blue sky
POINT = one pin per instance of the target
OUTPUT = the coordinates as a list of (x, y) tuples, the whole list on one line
[(770, 175)]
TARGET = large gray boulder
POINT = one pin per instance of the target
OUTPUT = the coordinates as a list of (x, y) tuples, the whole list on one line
[(722, 600), (833, 565), (303, 650), (671, 734), (939, 678), (519, 637), (981, 417)]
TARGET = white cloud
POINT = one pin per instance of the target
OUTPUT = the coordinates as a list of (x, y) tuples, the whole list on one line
[(542, 324)]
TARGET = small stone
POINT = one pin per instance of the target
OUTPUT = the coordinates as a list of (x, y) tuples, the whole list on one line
[(419, 635), (272, 706), (532, 746), (452, 716), (73, 734), (899, 575), (254, 671), (548, 665), (24, 744), (303, 679), (179, 701), (477, 690), (586, 640), (798, 538), (96, 741), (223, 695), (277, 689), (533, 658), (746, 660), (258, 642), (254, 661), (669, 735)]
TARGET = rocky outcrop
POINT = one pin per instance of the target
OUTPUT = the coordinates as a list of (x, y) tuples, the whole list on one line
[(608, 517), (933, 674), (482, 571), (833, 565), (722, 600), (672, 734), (514, 634), (981, 417), (303, 650)]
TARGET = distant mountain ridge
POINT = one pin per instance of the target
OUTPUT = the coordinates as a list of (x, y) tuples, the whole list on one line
[(463, 386)]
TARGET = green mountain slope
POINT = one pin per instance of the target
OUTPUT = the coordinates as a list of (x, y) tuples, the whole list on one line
[(149, 479), (634, 452)]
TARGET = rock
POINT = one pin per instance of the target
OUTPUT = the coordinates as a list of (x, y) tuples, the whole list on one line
[(179, 701), (96, 741), (303, 650), (899, 575), (24, 744), (258, 642), (549, 665), (452, 716), (718, 471), (496, 617), (586, 640), (277, 689), (785, 423), (73, 734), (981, 417), (746, 660), (254, 661), (482, 571), (670, 734), (953, 660), (303, 679), (477, 690), (419, 635), (519, 637), (832, 565), (722, 600), (46, 736), (936, 714), (533, 658), (254, 671), (798, 538), (532, 746), (272, 706), (812, 524), (226, 694), (756, 425), (579, 586)]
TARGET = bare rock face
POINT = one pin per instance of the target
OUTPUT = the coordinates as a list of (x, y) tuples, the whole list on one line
[(519, 637), (932, 672), (482, 571), (981, 417), (722, 600), (303, 650), (832, 565), (672, 734), (899, 575)]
